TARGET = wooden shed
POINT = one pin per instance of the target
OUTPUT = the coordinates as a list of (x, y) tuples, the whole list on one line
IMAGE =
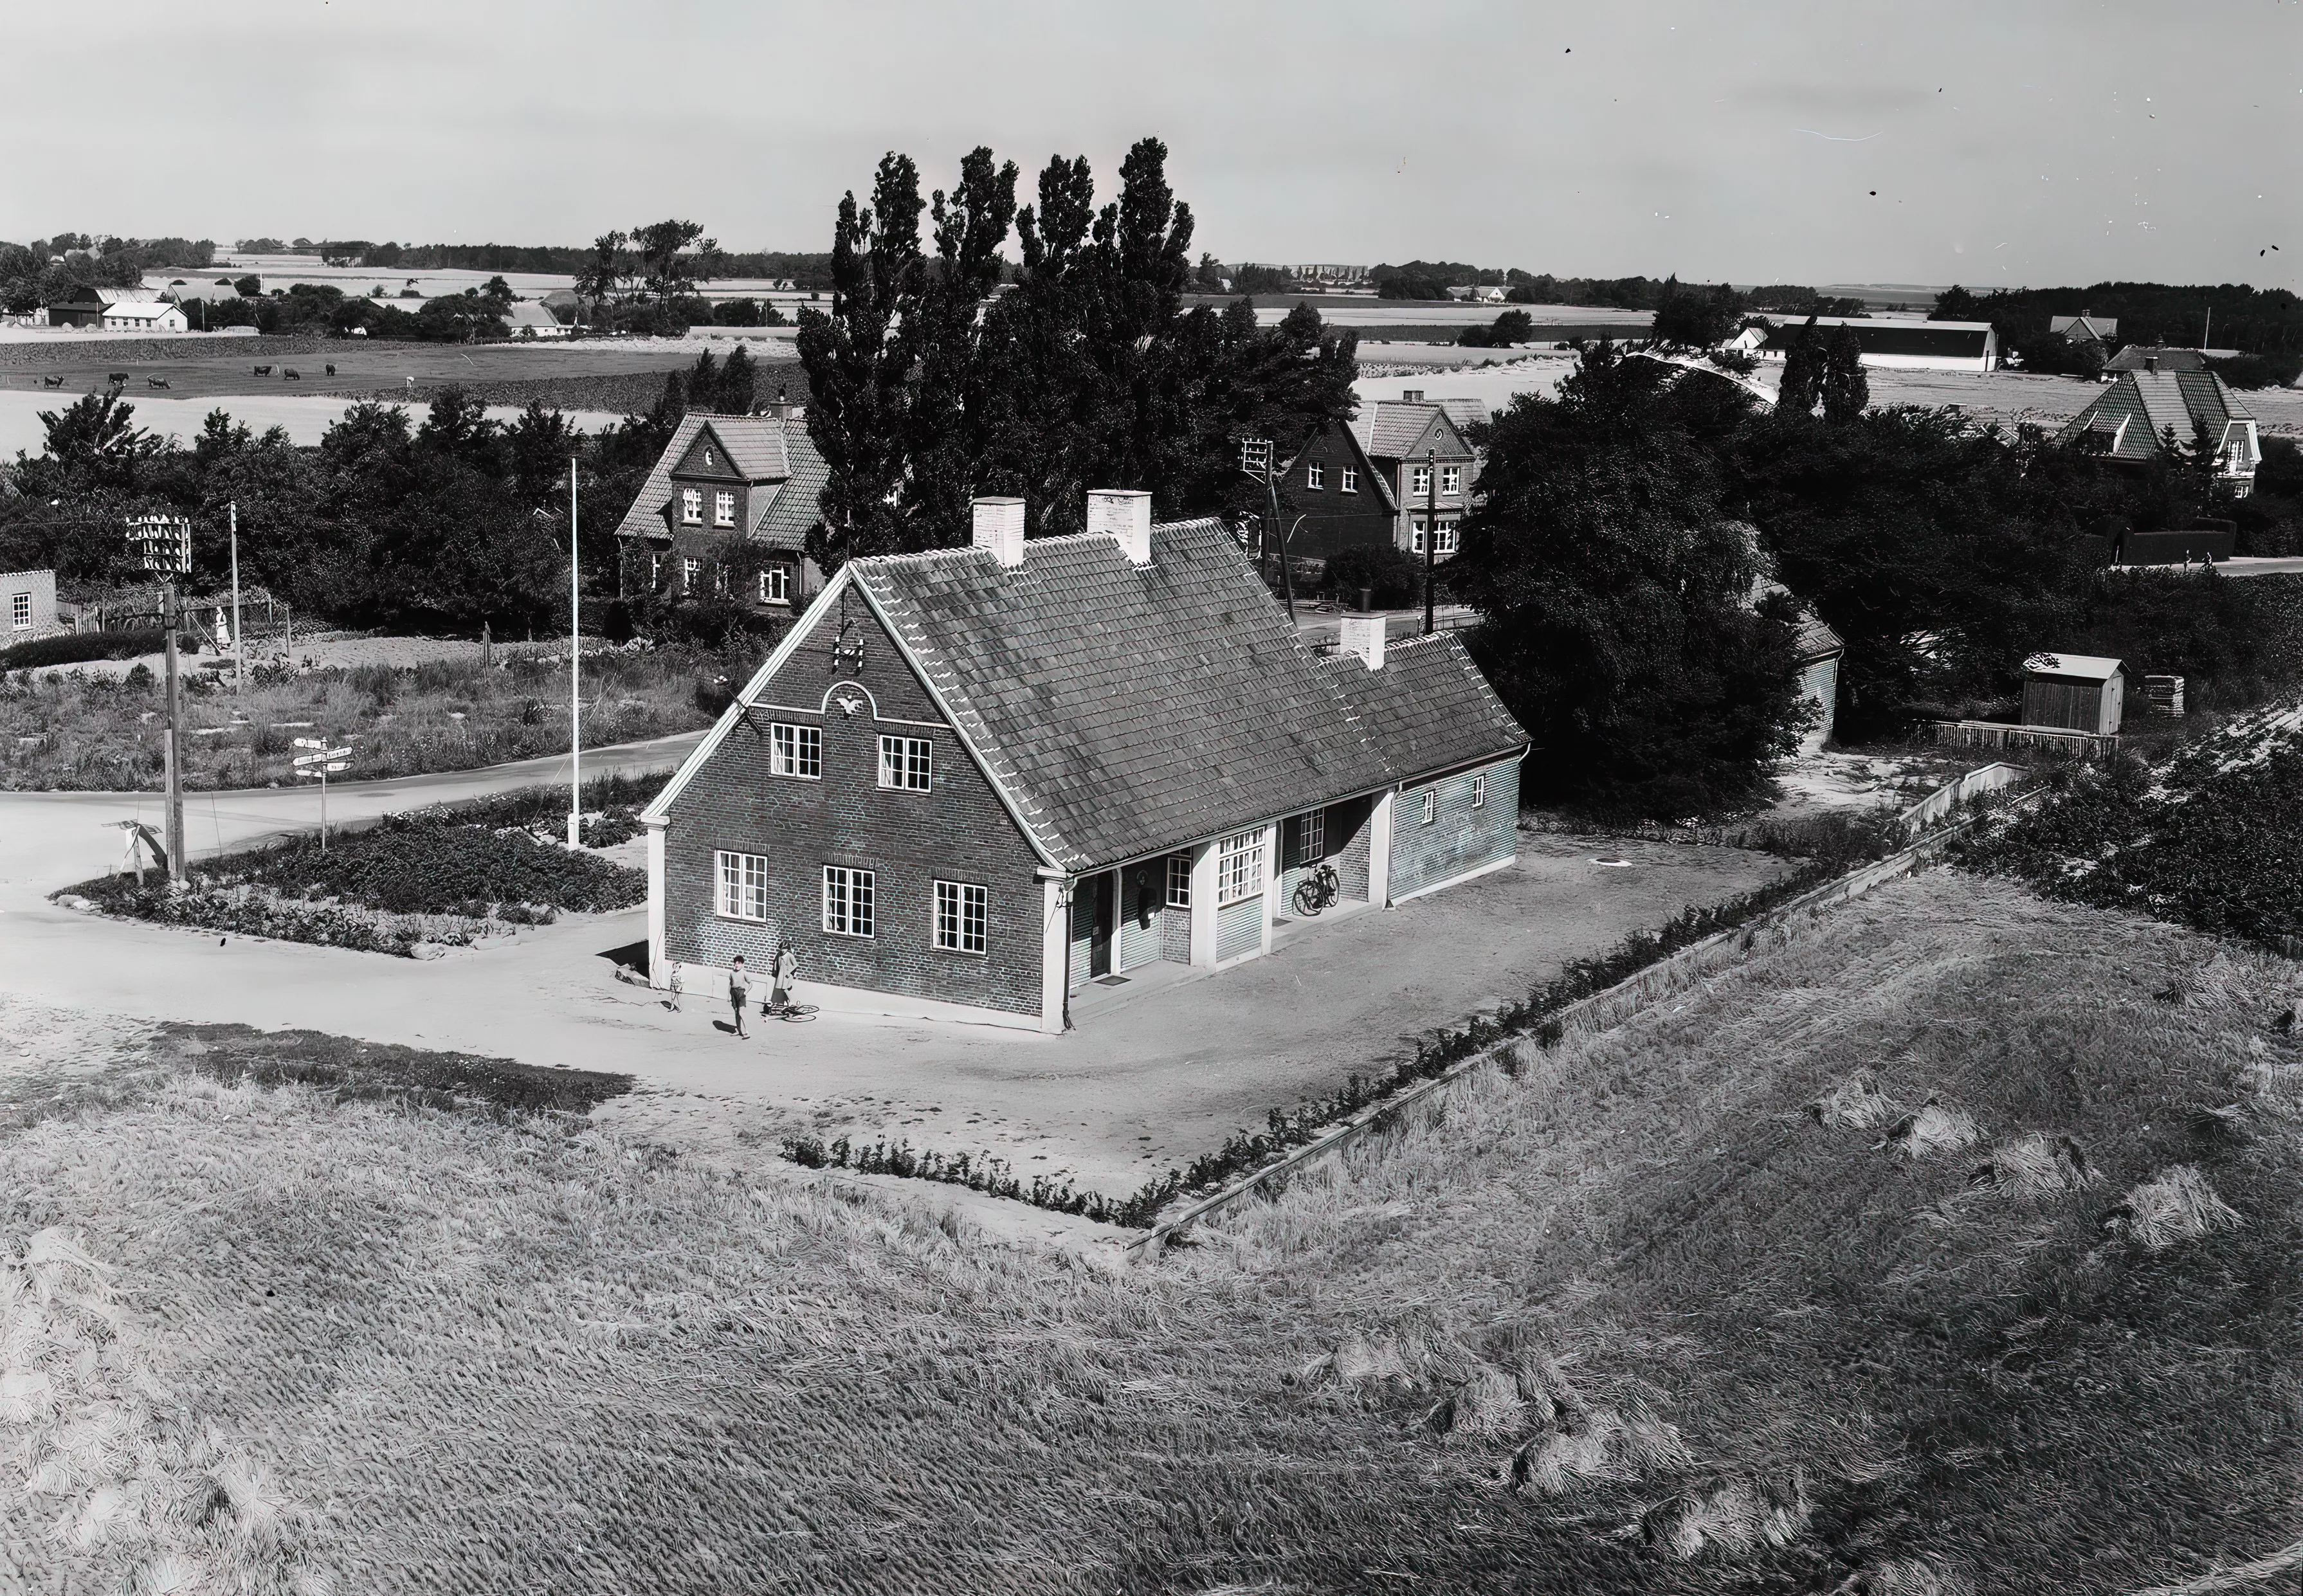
[(2074, 692)]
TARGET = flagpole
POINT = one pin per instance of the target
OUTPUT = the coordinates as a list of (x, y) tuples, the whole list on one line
[(575, 694)]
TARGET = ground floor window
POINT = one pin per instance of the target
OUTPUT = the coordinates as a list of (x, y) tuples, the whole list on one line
[(1239, 867), (1430, 806), (775, 584), (848, 900), (1479, 791), (688, 571), (20, 612), (963, 916), (1447, 542), (1179, 881), (743, 879), (1312, 837)]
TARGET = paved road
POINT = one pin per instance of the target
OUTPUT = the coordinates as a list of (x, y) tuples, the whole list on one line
[(2254, 565)]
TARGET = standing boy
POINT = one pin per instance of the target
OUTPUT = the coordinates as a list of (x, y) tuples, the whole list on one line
[(739, 991)]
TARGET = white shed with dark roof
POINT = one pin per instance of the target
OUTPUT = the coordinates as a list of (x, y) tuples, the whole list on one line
[(969, 782)]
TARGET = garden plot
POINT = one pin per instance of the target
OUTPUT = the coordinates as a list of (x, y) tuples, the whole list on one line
[(1631, 1319)]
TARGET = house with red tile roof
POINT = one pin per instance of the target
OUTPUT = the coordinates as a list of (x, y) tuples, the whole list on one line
[(969, 782), (726, 512), (2134, 420)]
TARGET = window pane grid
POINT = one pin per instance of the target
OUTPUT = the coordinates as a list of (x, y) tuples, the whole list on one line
[(796, 751), (1312, 837), (743, 885), (1239, 867), (848, 900), (907, 763), (1179, 881), (963, 914)]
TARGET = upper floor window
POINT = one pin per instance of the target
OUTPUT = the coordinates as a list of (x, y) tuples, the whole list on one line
[(1315, 476), (1430, 806), (1419, 481), (691, 506), (848, 898), (743, 885), (723, 507), (1239, 867), (796, 751), (1480, 791), (1350, 482), (1179, 881), (1451, 480), (907, 762)]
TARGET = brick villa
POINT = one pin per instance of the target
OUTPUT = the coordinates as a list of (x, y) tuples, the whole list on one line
[(970, 781), (725, 512)]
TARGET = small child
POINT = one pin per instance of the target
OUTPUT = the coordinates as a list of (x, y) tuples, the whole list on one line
[(675, 987), (739, 991)]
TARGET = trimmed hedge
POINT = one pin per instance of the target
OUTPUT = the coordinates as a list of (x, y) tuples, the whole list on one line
[(79, 648)]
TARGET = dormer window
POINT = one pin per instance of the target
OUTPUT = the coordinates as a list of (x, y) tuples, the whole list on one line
[(691, 506)]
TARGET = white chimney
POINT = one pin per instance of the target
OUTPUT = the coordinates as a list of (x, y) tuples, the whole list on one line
[(999, 528), (1126, 513), (1363, 635)]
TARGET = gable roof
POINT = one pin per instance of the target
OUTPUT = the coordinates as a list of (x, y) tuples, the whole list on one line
[(1394, 428), (2076, 327), (2133, 413), (2136, 356), (765, 450), (1377, 482), (2089, 667), (1427, 709)]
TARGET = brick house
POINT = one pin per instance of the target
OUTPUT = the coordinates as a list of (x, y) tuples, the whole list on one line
[(2131, 421), (726, 512), (968, 781), (1345, 500), (1410, 440)]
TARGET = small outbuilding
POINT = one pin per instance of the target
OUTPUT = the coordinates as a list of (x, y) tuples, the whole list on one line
[(30, 597), (2074, 692)]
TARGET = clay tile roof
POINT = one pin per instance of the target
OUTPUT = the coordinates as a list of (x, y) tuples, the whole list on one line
[(763, 448), (1127, 710), (2135, 356), (1427, 709), (2151, 401), (782, 519), (1391, 428)]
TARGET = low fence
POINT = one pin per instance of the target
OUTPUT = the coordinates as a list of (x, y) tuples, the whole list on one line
[(1602, 1010), (1939, 804), (1996, 734)]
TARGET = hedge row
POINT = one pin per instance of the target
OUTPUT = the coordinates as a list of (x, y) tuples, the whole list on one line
[(78, 648)]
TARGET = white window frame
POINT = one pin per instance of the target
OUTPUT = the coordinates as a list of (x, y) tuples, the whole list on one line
[(1310, 838), (689, 569), (1430, 806), (1239, 868), (1419, 481), (723, 507), (740, 885), (1349, 483), (655, 571), (1314, 475), (20, 612), (906, 763), (1179, 881), (796, 751), (1451, 481), (691, 507), (775, 584), (851, 901), (1448, 538), (963, 918), (1479, 791)]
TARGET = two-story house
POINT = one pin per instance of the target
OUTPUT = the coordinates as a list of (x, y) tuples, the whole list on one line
[(726, 514), (2132, 420), (969, 782), (1427, 468), (1333, 497)]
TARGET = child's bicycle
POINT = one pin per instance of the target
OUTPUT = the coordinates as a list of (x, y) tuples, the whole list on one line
[(797, 1014), (1318, 890)]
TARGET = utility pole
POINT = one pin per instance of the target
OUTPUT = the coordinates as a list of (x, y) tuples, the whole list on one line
[(239, 648), (171, 755), (1430, 534), (2208, 336), (1271, 487), (575, 694)]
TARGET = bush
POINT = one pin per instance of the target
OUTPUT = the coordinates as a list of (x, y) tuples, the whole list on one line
[(2274, 370), (78, 648), (1390, 574), (1512, 326)]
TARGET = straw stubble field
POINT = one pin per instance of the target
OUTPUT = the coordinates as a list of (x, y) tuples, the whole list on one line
[(1947, 1249)]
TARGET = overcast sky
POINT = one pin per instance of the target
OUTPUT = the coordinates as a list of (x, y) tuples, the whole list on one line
[(1986, 143)]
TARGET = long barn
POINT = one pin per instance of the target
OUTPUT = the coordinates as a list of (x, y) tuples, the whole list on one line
[(969, 782)]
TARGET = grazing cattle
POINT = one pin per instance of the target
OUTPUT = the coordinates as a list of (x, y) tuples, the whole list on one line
[(158, 382), (263, 371), (52, 382), (331, 368), (117, 379), (291, 374)]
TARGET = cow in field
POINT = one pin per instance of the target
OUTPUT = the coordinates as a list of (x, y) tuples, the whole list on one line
[(291, 374), (158, 382), (331, 368), (262, 370), (117, 379), (52, 382)]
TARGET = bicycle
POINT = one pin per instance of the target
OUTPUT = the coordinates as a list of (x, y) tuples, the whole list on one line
[(1316, 890)]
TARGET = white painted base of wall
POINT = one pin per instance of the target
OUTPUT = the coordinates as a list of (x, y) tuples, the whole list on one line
[(1456, 881)]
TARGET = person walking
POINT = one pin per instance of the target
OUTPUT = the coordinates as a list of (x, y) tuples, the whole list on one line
[(675, 987), (779, 993), (739, 991)]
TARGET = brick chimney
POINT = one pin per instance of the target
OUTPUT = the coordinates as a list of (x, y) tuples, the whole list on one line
[(1364, 636), (999, 528), (1125, 513), (2150, 363)]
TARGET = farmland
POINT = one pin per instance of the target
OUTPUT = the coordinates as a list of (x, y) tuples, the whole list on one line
[(1714, 1338)]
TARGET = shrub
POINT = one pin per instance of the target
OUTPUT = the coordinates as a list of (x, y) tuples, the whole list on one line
[(2277, 369), (79, 648), (1388, 573)]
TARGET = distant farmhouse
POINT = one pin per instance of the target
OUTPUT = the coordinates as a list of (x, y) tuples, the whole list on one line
[(2086, 327), (725, 514), (533, 318), (117, 309), (2132, 420), (1921, 345), (1478, 294), (970, 782)]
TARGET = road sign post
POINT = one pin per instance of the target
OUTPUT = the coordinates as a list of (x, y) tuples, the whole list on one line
[(321, 761)]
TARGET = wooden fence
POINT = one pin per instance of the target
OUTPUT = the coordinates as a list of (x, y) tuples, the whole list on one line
[(1996, 734), (1939, 804), (1601, 1011)]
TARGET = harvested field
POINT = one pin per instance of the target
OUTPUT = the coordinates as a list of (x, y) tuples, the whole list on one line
[(1633, 1320)]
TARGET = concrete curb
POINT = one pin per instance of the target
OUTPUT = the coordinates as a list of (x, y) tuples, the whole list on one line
[(1601, 1011)]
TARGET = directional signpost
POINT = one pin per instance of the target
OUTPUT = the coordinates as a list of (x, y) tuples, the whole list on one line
[(321, 761)]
